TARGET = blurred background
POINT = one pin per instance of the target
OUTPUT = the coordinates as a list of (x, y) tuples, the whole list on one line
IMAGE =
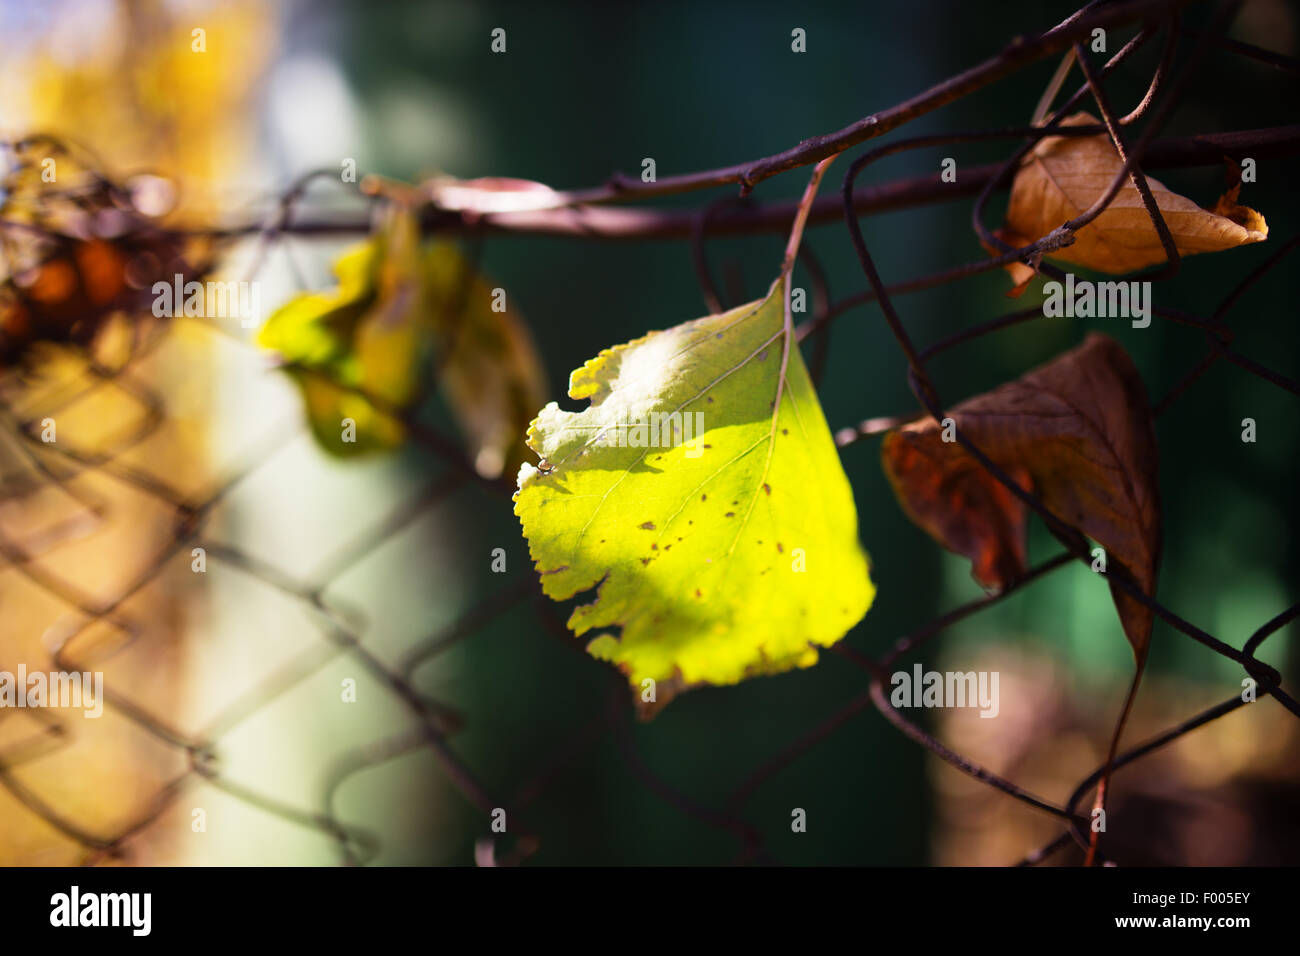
[(227, 683)]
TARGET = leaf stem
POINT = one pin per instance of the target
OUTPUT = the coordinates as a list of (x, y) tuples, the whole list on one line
[(801, 216)]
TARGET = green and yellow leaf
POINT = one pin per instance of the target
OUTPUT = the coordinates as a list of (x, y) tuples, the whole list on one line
[(730, 555), (363, 350)]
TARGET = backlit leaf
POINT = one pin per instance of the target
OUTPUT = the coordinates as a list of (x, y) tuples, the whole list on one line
[(729, 555), (363, 350), (368, 336), (1064, 175)]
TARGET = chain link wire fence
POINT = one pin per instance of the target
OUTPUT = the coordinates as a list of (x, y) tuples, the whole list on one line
[(177, 520)]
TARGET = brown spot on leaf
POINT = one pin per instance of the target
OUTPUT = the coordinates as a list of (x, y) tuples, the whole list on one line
[(648, 526)]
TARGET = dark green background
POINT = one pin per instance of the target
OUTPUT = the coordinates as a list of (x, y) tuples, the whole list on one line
[(585, 90)]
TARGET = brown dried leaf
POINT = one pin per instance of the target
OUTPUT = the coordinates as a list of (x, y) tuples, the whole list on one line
[(1077, 433), (489, 368), (1021, 274), (1063, 176)]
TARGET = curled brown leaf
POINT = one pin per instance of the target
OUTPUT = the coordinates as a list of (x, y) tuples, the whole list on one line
[(1063, 176)]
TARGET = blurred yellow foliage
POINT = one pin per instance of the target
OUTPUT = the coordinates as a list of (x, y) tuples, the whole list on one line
[(130, 89), (126, 80)]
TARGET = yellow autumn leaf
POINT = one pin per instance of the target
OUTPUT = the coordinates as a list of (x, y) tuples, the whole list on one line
[(399, 302), (1063, 176), (726, 551)]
